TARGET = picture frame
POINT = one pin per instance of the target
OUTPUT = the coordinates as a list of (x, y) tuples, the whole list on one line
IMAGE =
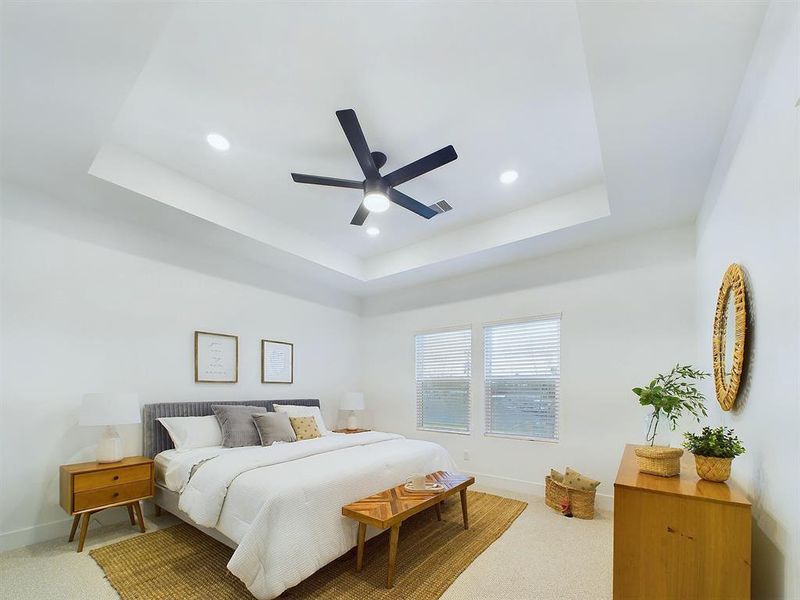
[(216, 357), (277, 362)]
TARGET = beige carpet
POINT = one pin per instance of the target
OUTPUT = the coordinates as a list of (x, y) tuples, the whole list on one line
[(542, 556), (182, 563)]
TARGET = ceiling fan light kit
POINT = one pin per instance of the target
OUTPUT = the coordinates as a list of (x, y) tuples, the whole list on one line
[(379, 190)]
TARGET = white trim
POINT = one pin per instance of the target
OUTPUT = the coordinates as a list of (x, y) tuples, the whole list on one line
[(467, 432), (524, 438), (35, 534), (558, 315), (467, 327)]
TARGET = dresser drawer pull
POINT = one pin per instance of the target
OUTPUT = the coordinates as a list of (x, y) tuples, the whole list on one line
[(115, 494), (116, 477)]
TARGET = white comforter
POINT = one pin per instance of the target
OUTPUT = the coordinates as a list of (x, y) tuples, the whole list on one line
[(282, 503)]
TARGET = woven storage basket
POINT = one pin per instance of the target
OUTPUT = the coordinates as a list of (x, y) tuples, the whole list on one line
[(557, 495), (659, 460), (713, 468)]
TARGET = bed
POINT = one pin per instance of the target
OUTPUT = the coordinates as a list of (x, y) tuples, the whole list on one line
[(279, 507)]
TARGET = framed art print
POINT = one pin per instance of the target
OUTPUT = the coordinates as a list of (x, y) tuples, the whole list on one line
[(277, 362), (216, 357)]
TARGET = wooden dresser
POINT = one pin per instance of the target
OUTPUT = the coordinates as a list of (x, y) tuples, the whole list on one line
[(87, 488), (679, 537)]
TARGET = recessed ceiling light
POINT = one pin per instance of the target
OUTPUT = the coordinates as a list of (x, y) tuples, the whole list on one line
[(218, 142), (509, 176), (376, 202), (373, 231)]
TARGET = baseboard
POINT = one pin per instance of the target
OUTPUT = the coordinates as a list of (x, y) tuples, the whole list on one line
[(12, 540), (533, 488)]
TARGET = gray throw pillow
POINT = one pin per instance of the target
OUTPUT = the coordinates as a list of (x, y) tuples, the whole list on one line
[(236, 422), (274, 427)]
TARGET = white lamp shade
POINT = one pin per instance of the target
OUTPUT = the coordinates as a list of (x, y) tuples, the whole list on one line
[(110, 409), (353, 401)]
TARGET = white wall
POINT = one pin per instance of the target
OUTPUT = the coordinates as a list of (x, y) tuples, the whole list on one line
[(627, 313), (751, 216), (79, 316)]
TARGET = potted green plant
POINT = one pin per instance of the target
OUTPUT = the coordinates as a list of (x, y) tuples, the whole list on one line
[(714, 450), (670, 395)]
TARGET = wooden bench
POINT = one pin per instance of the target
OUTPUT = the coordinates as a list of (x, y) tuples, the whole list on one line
[(388, 509)]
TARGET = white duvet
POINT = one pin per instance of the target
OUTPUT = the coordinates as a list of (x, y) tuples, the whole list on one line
[(282, 503)]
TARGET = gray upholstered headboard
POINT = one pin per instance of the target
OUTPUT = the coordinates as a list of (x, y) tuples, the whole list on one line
[(156, 438)]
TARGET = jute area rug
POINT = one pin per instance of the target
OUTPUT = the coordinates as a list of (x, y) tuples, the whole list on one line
[(180, 563)]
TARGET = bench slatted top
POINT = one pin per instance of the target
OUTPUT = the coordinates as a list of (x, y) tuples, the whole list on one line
[(392, 506)]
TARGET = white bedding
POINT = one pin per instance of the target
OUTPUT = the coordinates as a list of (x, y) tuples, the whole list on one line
[(173, 466), (282, 504)]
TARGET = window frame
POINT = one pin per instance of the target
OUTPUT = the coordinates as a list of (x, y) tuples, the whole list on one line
[(486, 397), (465, 327)]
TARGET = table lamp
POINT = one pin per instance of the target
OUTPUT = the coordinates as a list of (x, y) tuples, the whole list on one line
[(352, 401), (109, 410)]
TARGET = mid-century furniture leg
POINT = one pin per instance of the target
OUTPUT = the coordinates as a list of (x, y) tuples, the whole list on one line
[(464, 508), (84, 529), (87, 488), (438, 511), (158, 510), (362, 535), (138, 508), (394, 535), (75, 521)]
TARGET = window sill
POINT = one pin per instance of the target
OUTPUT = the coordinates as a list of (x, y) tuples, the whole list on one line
[(443, 431), (521, 438)]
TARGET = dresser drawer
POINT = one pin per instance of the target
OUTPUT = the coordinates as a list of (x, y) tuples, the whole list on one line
[(111, 495), (108, 477)]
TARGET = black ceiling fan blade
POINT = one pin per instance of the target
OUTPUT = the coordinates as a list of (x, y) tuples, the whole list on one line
[(360, 216), (332, 181), (408, 202), (352, 129), (421, 166)]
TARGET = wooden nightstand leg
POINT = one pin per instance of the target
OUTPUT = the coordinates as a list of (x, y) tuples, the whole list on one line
[(438, 511), (394, 535), (75, 521), (464, 508), (84, 529), (138, 508), (158, 510), (130, 514), (362, 535)]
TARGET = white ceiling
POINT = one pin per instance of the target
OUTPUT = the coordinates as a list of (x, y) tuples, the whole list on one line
[(417, 83), (602, 107)]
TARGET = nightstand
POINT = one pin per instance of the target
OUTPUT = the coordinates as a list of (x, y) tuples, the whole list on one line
[(87, 488), (350, 430)]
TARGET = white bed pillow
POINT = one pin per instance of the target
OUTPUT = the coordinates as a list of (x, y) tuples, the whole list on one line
[(189, 433), (303, 411)]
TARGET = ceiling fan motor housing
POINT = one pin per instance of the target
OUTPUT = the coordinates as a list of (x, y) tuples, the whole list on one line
[(376, 186)]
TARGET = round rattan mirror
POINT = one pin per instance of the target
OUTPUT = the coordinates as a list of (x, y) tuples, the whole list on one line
[(730, 326)]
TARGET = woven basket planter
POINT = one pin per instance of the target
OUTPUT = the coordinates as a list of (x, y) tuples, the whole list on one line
[(659, 460), (712, 468), (562, 498)]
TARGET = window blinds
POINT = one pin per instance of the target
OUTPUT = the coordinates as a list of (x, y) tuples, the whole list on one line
[(522, 375), (443, 371)]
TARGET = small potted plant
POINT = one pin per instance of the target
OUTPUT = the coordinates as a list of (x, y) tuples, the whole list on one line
[(669, 395), (714, 450)]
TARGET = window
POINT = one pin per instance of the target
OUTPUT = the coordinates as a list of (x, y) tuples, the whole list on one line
[(522, 375), (444, 368)]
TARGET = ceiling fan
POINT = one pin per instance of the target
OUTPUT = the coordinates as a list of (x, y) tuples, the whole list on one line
[(379, 189)]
